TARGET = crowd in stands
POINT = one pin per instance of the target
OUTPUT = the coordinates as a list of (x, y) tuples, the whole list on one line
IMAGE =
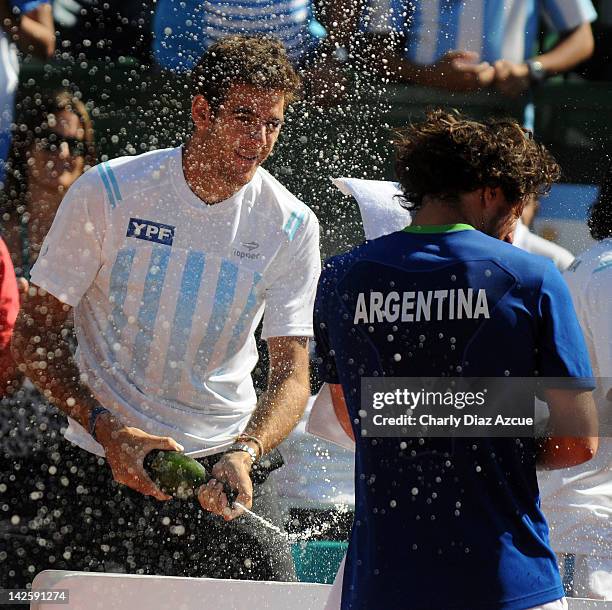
[(508, 47)]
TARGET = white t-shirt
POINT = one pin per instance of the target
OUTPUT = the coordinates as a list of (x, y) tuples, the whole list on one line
[(168, 292), (577, 501), (530, 242)]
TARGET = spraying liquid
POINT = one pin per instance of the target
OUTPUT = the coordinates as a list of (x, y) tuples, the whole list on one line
[(181, 476)]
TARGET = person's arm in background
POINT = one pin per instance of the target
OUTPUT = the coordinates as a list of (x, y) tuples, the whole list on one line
[(564, 366), (9, 308), (573, 18), (31, 28), (341, 409), (454, 71), (573, 429)]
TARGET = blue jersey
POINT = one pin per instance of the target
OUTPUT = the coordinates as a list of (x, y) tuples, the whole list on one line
[(446, 523), (184, 30)]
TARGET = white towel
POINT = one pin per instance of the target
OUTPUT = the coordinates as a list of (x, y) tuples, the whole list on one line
[(381, 212), (322, 421)]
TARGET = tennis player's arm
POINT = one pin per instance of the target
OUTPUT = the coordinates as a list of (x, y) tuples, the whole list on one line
[(340, 409), (573, 429), (282, 405), (40, 346)]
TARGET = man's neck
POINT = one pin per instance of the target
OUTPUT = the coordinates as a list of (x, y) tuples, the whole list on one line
[(435, 212), (202, 177)]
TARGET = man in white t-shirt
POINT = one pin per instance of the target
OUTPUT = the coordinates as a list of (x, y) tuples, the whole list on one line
[(578, 502), (526, 240), (169, 260)]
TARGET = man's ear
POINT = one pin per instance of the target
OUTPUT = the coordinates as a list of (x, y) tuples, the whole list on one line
[(201, 113), (491, 196)]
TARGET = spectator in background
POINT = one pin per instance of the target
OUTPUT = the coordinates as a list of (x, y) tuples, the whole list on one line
[(26, 25), (465, 46), (54, 145), (526, 240), (184, 29), (104, 29), (578, 503)]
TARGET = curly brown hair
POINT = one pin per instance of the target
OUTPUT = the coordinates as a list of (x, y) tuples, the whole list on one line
[(260, 61), (448, 154)]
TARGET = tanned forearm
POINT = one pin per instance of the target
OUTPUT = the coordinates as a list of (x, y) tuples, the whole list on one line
[(572, 50), (573, 430), (40, 347), (282, 405)]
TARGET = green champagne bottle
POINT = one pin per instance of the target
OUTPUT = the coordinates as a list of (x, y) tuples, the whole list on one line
[(175, 474)]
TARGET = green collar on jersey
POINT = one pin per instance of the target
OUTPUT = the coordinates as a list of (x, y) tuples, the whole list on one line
[(460, 226)]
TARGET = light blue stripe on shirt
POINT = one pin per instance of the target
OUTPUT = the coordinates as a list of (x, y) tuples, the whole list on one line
[(107, 185), (245, 316), (224, 297), (120, 274), (493, 34), (293, 224), (154, 283), (113, 181), (531, 29), (183, 321), (449, 15)]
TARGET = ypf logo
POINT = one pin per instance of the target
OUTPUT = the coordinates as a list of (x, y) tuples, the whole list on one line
[(151, 231)]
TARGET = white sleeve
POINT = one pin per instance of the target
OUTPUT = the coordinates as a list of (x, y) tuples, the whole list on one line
[(598, 298), (291, 293), (71, 254), (567, 15)]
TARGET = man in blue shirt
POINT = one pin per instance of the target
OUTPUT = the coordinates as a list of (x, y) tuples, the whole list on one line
[(455, 522)]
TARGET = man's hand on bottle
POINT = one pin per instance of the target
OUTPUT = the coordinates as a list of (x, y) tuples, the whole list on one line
[(126, 449), (234, 470)]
